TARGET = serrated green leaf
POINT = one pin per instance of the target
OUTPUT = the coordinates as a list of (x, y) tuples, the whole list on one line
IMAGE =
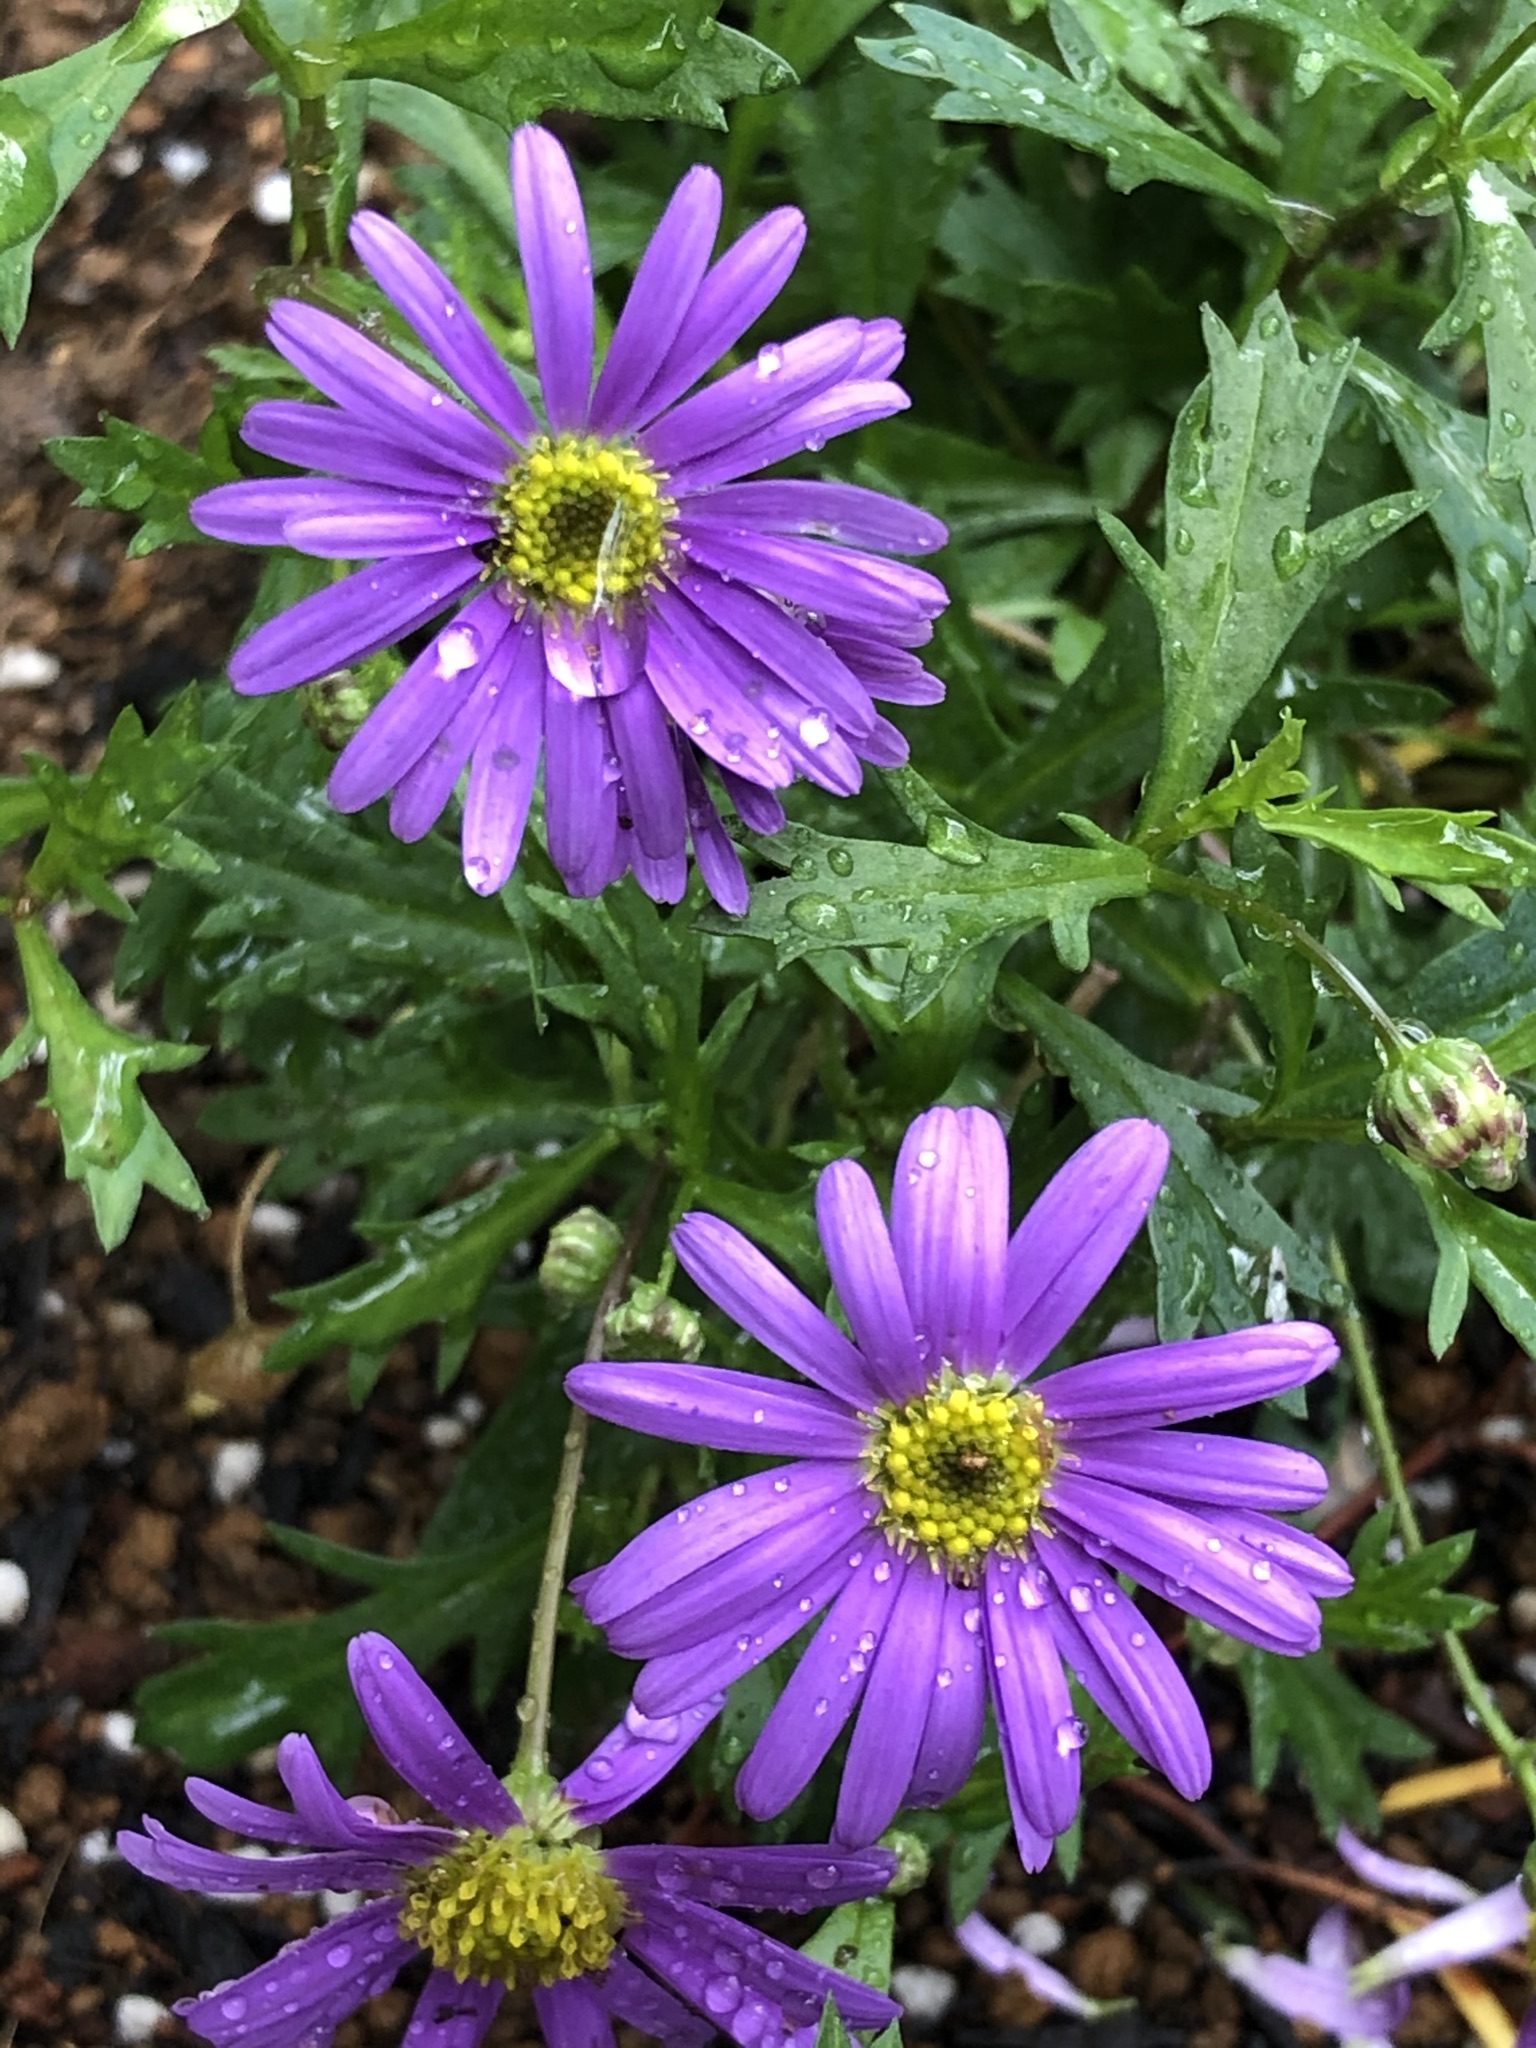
[(1144, 40), (435, 1269), (1401, 1605), (1241, 569), (129, 469), (113, 1141), (1330, 1726), (1411, 845), (1333, 33), (991, 80), (1276, 979), (1225, 1257), (1271, 773), (1498, 1248)]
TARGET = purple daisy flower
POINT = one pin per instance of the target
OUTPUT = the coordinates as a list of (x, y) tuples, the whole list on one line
[(503, 1897), (963, 1524), (620, 598)]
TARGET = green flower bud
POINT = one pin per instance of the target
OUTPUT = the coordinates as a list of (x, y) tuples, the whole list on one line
[(579, 1257), (334, 706), (648, 1323), (913, 1861), (1441, 1103)]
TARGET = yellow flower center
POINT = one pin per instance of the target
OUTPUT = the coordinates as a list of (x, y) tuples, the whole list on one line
[(582, 524), (960, 1469), (515, 1909)]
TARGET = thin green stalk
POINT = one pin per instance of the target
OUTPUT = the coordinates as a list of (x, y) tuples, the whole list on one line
[(532, 1762), (1518, 1757), (312, 166)]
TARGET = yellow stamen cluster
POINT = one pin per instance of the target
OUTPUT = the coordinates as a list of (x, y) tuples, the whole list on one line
[(515, 1909), (582, 524), (960, 1469)]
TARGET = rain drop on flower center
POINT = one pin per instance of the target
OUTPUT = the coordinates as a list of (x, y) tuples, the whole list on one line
[(515, 1908), (582, 524)]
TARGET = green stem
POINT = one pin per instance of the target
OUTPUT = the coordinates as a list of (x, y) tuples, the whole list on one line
[(1517, 1754), (532, 1762), (312, 166), (1289, 931)]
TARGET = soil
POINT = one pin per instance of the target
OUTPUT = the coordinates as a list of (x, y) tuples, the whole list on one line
[(125, 1507)]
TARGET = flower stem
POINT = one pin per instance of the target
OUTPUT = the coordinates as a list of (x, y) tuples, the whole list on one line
[(1519, 1759), (532, 1762)]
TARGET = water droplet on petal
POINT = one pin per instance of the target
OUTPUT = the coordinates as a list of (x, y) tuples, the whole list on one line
[(1071, 1734), (339, 1956), (1081, 1598)]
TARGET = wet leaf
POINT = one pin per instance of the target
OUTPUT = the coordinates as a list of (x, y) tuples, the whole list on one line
[(856, 1939), (29, 191), (1330, 1726), (1331, 33), (1271, 773), (130, 469), (1400, 1604), (1412, 845), (1481, 1243)]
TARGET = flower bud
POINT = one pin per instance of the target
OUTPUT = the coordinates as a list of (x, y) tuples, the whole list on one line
[(335, 706), (913, 1861), (1441, 1103), (648, 1323), (579, 1257)]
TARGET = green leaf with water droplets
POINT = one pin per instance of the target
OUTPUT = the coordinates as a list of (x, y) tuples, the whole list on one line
[(1479, 1241), (993, 80), (29, 191), (856, 1939), (1331, 33), (1272, 772), (1411, 844), (113, 1141), (1241, 570)]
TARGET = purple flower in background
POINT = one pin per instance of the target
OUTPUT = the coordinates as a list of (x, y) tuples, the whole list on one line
[(1364, 2002), (610, 590), (498, 1897), (963, 1525), (1000, 1957)]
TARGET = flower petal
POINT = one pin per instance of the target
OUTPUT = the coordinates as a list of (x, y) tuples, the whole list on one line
[(364, 612), (1303, 1557), (1299, 1990), (1212, 1471), (758, 809), (826, 511), (769, 635), (632, 1994), (703, 679), (160, 1854), (889, 1731), (782, 376), (247, 1816), (385, 395), (1404, 1880), (1037, 1728), (1178, 1382), (1001, 1957), (714, 849), (256, 513), (825, 1686), (422, 1740), (572, 2014), (633, 1757), (552, 240), (668, 276), (1076, 1233), (392, 524), (949, 1224), (732, 1411), (653, 777), (421, 705), (422, 793), (957, 1704), (867, 1277), (808, 428), (324, 438), (444, 320), (575, 750), (449, 2014), (740, 286), (309, 1987), (865, 589), (781, 1877), (752, 1291), (1126, 1666), (669, 1682), (1497, 1920), (506, 760)]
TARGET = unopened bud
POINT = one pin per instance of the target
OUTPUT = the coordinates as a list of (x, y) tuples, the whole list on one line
[(913, 1861), (648, 1323), (579, 1257), (1441, 1103), (335, 706)]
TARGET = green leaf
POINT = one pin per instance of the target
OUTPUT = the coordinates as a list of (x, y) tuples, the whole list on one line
[(158, 25), (120, 812), (1276, 979), (1143, 39), (1271, 773), (856, 1939), (992, 80), (932, 904), (129, 469), (631, 60), (435, 1269), (1480, 1241), (29, 191), (1401, 1605), (113, 1141), (1414, 845), (24, 807), (1330, 1726), (1225, 1257), (1353, 33), (1241, 569)]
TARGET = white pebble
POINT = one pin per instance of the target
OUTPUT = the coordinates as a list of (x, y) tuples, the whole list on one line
[(1522, 1611), (15, 1594), (13, 1836), (236, 1467), (1130, 1334), (127, 158), (1038, 1934), (96, 1848), (116, 1452), (272, 199), (926, 1993), (334, 1904), (125, 1318), (443, 1432), (276, 1222), (1435, 1495), (1128, 1900), (119, 1732), (27, 668), (185, 162), (136, 2019), (1525, 1665), (51, 1305), (1503, 1429), (470, 1410), (548, 1148)]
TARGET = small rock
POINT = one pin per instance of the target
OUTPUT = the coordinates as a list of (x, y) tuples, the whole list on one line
[(39, 1796), (118, 1732), (1522, 1611), (275, 1222), (131, 1570), (54, 1430), (15, 1593), (184, 162), (27, 668), (334, 1904), (1525, 1666), (137, 2019), (1128, 1900), (1436, 1495), (95, 1848), (272, 199), (13, 1836), (1105, 1963), (235, 1469), (1038, 1934), (443, 1432), (926, 1993)]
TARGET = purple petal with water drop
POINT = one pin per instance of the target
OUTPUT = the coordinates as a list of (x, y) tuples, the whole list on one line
[(633, 1757), (825, 1686), (949, 1225), (782, 375), (632, 1994), (325, 438), (732, 1411), (360, 615), (572, 2014), (309, 1987), (378, 522), (957, 1704), (764, 633), (664, 879), (713, 847), (449, 2014), (758, 809), (422, 793), (653, 776), (552, 240), (444, 320), (849, 513), (1038, 1729), (808, 428), (708, 684), (763, 1877), (1269, 1544), (575, 749), (669, 274), (885, 343), (159, 1854), (506, 759), (864, 589), (889, 1731), (867, 1277), (1213, 1471), (256, 514), (673, 1680), (248, 1816), (1183, 1381), (422, 1740)]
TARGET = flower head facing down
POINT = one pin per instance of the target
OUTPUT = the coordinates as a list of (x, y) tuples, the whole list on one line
[(500, 1897), (962, 1522), (621, 600)]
